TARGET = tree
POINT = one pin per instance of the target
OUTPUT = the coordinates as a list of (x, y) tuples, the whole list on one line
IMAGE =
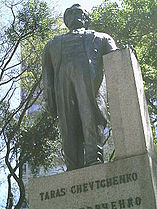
[(22, 41), (134, 23)]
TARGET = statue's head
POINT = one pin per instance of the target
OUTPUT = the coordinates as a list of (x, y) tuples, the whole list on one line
[(76, 17)]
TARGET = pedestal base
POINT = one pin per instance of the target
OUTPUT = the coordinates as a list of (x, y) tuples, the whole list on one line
[(125, 183)]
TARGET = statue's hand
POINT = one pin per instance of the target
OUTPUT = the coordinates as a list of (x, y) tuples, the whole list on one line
[(132, 47)]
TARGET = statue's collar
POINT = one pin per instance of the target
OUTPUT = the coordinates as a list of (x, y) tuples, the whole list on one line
[(79, 30)]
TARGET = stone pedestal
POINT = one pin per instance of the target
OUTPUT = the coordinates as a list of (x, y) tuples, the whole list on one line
[(125, 183), (128, 109), (129, 181)]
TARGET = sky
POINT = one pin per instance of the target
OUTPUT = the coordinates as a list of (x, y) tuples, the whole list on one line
[(87, 4), (62, 5)]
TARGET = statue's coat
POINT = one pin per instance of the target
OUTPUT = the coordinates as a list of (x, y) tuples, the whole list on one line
[(75, 89)]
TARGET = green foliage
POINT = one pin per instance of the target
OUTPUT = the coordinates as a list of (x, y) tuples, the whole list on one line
[(40, 138), (133, 23), (40, 142), (34, 18)]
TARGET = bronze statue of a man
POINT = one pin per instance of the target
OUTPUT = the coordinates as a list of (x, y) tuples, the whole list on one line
[(75, 87)]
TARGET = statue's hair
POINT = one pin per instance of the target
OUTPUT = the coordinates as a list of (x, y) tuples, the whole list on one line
[(68, 11)]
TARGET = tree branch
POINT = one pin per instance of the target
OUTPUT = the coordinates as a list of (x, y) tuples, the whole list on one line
[(7, 93), (9, 203)]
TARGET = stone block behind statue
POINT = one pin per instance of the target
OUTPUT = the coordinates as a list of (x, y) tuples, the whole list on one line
[(75, 89)]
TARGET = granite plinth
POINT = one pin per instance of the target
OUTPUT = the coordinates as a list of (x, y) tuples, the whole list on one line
[(130, 122), (125, 183)]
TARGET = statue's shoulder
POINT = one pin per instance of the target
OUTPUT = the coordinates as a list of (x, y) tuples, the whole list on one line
[(57, 38), (48, 45), (98, 34), (53, 46), (54, 41), (102, 35)]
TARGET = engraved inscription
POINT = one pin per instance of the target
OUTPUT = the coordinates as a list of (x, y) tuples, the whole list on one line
[(90, 186), (119, 204)]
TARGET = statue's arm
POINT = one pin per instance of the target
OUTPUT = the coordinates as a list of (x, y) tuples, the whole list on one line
[(48, 80), (109, 44)]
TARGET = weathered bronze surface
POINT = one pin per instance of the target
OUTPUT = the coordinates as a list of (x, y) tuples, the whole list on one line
[(75, 88)]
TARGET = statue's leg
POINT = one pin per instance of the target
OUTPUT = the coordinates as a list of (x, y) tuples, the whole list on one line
[(93, 152), (73, 145), (71, 127)]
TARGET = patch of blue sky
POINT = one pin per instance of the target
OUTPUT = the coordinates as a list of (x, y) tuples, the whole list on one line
[(61, 5)]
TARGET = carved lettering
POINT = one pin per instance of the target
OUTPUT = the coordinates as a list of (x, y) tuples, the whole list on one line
[(47, 196), (138, 201), (97, 207), (108, 182), (102, 183), (122, 204), (85, 187), (119, 204), (42, 196), (63, 191), (105, 206), (134, 176), (79, 188), (73, 190), (58, 194), (122, 179), (115, 180), (129, 177), (91, 184), (98, 184), (52, 194), (130, 202), (113, 205)]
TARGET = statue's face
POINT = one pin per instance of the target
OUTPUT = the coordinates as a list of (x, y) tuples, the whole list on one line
[(76, 18)]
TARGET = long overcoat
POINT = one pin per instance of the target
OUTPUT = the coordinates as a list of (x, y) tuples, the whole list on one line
[(75, 89)]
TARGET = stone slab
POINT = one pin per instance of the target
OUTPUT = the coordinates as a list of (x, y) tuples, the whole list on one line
[(130, 122), (125, 183)]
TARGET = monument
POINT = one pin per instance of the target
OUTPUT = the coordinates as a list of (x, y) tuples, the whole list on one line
[(130, 180)]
